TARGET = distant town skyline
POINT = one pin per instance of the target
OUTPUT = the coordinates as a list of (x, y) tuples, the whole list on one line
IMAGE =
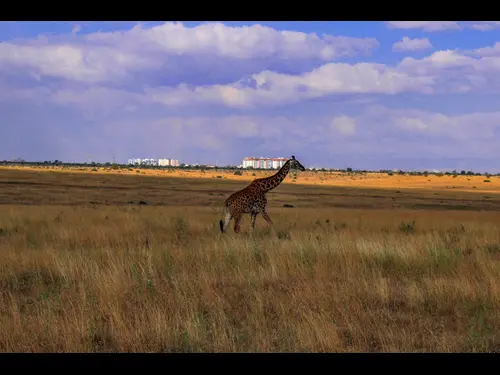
[(369, 95), (161, 162), (251, 163)]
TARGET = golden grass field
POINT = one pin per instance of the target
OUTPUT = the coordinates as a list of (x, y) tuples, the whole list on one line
[(369, 180), (352, 267)]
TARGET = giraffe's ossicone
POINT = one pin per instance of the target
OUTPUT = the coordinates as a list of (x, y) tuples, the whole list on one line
[(252, 199)]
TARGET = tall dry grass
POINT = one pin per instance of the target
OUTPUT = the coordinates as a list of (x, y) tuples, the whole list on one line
[(163, 279)]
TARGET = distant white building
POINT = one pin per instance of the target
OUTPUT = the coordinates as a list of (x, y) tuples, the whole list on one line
[(135, 161), (168, 162), (153, 162), (264, 163), (277, 164)]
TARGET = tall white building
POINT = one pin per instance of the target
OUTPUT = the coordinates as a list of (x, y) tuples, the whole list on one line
[(164, 162), (168, 162), (247, 163)]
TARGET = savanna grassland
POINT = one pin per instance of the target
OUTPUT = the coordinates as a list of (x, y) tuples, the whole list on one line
[(120, 261)]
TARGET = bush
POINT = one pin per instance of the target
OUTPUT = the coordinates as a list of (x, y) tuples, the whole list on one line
[(407, 227)]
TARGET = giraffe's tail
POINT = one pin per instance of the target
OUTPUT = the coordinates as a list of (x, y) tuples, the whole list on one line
[(225, 212)]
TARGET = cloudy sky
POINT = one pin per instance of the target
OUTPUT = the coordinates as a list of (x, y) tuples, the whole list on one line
[(395, 94)]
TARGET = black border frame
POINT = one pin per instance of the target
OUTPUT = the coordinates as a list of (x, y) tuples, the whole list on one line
[(350, 11), (276, 363), (239, 11)]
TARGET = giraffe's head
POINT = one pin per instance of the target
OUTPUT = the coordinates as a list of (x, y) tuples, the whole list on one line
[(295, 164)]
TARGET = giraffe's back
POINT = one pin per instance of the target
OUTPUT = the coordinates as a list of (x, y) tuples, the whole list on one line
[(246, 200)]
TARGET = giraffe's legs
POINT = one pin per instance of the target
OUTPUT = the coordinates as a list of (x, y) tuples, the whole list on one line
[(254, 217), (267, 218), (224, 223), (237, 222)]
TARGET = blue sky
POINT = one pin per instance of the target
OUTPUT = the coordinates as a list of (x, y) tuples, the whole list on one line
[(394, 94)]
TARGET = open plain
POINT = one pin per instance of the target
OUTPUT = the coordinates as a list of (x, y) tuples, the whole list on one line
[(133, 260)]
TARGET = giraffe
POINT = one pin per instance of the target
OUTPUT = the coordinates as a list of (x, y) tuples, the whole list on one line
[(252, 199)]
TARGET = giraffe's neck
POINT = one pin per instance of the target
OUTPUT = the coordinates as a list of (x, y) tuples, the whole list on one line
[(269, 183)]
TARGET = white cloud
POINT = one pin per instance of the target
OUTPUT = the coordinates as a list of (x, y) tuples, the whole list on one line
[(377, 130), (76, 29), (479, 126), (412, 124), (437, 60), (245, 42), (36, 94), (432, 26), (344, 125), (455, 72), (368, 131), (447, 71), (113, 56), (217, 133), (487, 51), (408, 44), (276, 89), (425, 25), (96, 101), (71, 62), (483, 25)]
